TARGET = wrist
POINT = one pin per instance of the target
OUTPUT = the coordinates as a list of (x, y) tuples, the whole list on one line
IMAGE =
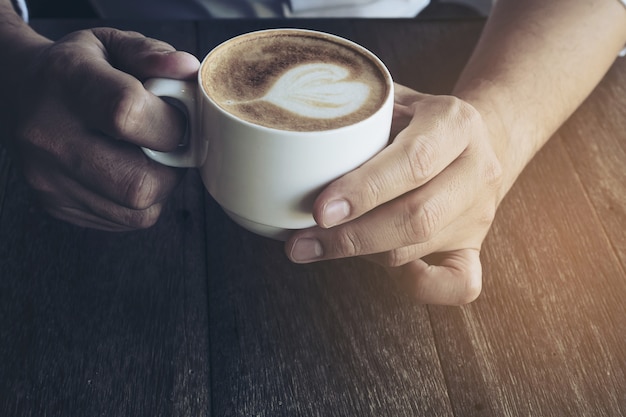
[(19, 45), (513, 141)]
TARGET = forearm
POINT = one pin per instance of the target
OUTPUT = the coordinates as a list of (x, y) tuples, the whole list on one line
[(19, 44), (534, 65)]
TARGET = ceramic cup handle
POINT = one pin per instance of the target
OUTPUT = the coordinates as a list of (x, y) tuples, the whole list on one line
[(183, 94)]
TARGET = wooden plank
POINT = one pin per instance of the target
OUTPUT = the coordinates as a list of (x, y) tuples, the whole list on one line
[(599, 154), (316, 340), (95, 323), (90, 322), (417, 61), (327, 339), (546, 336), (5, 168)]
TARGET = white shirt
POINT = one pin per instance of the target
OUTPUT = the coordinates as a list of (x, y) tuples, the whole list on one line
[(353, 8), (190, 9)]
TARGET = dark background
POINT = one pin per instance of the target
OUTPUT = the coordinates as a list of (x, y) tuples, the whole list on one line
[(60, 9), (83, 9)]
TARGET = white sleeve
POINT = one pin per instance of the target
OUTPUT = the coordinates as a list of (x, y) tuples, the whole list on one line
[(354, 8), (623, 52), (21, 8), (300, 5)]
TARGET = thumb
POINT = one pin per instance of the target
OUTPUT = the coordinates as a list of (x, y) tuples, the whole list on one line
[(99, 73), (143, 57)]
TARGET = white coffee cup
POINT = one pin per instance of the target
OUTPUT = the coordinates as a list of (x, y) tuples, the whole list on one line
[(267, 178)]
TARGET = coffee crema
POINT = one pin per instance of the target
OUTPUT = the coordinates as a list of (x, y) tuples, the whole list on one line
[(294, 80)]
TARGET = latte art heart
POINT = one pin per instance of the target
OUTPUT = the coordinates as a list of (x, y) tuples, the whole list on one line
[(319, 91)]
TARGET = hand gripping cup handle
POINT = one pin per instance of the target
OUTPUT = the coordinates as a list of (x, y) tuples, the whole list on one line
[(183, 95)]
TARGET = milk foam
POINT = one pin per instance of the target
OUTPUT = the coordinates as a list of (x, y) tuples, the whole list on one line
[(319, 91), (294, 81)]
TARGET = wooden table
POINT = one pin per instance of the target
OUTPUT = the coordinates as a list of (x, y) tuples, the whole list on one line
[(196, 317)]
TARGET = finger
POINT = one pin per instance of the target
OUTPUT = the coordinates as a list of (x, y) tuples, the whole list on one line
[(124, 174), (403, 109), (144, 57), (452, 237), (68, 200), (454, 278), (115, 102), (401, 118), (81, 218), (417, 219), (406, 96), (437, 135), (115, 170)]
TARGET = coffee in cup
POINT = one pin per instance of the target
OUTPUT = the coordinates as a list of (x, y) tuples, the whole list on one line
[(294, 80)]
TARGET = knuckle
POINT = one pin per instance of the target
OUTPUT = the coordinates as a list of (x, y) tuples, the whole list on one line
[(141, 189), (56, 57), (464, 119), (63, 58), (492, 174), (422, 221), (374, 186), (109, 34), (347, 244), (127, 111), (397, 257), (421, 156), (465, 114)]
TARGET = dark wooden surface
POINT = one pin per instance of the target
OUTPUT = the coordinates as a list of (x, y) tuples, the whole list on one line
[(196, 317)]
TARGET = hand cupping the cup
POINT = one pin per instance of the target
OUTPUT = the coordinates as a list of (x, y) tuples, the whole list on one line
[(422, 207), (82, 111)]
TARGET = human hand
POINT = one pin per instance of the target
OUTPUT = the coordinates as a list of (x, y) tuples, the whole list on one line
[(81, 114), (421, 207)]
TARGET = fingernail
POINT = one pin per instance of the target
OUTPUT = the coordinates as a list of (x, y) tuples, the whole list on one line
[(306, 250), (334, 212)]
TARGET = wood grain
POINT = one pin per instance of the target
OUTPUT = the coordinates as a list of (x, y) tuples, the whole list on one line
[(5, 169), (595, 139), (316, 340), (98, 321)]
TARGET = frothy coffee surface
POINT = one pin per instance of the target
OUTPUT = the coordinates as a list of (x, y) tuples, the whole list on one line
[(299, 81)]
